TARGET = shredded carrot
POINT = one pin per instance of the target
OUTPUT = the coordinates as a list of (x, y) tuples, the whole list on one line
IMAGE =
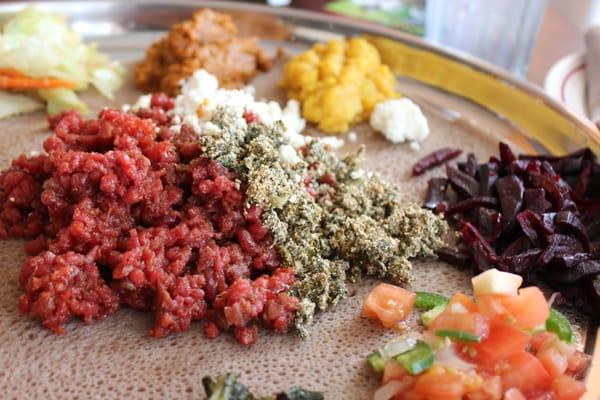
[(11, 79), (13, 73)]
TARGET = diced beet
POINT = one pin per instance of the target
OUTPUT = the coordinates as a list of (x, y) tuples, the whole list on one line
[(568, 221), (533, 226), (585, 153), (506, 154), (583, 180), (535, 200), (436, 192), (510, 190), (469, 167), (470, 204), (472, 235), (582, 270), (559, 245), (464, 184), (549, 219), (520, 263), (453, 257), (571, 260), (555, 193), (490, 223), (517, 246), (488, 173)]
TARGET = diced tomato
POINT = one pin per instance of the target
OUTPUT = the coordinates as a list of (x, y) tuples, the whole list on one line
[(513, 394), (501, 343), (525, 372), (577, 363), (492, 306), (389, 304), (553, 360), (541, 396), (459, 302), (410, 394), (393, 371), (394, 389), (530, 308), (541, 340), (470, 322), (440, 383), (527, 310), (490, 389), (567, 388)]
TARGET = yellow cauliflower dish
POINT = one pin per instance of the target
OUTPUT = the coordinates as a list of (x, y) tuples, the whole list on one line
[(338, 83)]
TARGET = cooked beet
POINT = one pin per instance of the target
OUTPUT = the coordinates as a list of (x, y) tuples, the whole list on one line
[(469, 167), (488, 173), (583, 269), (506, 154), (489, 222), (464, 184), (510, 190), (557, 191), (470, 204), (538, 216), (535, 200), (517, 246), (454, 257), (568, 221), (533, 226), (521, 263), (436, 192), (434, 159)]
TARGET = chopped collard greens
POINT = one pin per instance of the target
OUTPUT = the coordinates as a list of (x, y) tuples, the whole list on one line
[(332, 221), (226, 387)]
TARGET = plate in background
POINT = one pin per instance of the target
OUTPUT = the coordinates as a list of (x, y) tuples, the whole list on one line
[(565, 82)]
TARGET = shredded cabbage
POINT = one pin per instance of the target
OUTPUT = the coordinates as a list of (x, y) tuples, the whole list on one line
[(41, 44), (14, 104)]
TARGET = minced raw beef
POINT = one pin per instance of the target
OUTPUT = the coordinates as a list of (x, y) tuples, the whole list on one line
[(122, 211)]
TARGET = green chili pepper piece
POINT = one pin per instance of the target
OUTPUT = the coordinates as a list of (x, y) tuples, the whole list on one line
[(429, 316), (458, 335), (425, 301), (559, 324), (376, 362), (418, 359)]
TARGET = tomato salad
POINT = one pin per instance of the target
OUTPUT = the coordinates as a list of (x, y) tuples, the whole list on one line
[(505, 344)]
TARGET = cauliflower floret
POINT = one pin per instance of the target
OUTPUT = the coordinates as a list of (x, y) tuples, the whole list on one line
[(400, 120)]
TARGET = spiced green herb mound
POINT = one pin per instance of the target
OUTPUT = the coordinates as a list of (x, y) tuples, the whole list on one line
[(332, 221), (227, 387)]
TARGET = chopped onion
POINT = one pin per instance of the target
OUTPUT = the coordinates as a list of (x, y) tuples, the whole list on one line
[(398, 346), (457, 308), (390, 389), (447, 356)]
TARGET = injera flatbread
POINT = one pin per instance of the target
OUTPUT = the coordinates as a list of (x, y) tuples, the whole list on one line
[(115, 358)]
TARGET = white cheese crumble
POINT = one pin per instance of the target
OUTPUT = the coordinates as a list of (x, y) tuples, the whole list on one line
[(201, 96), (357, 174), (333, 142), (142, 102), (288, 155), (400, 120), (352, 137)]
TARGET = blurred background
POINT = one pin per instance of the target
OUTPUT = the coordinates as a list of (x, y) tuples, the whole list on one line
[(525, 37)]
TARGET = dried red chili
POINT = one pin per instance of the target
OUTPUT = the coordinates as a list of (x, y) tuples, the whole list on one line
[(434, 159)]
